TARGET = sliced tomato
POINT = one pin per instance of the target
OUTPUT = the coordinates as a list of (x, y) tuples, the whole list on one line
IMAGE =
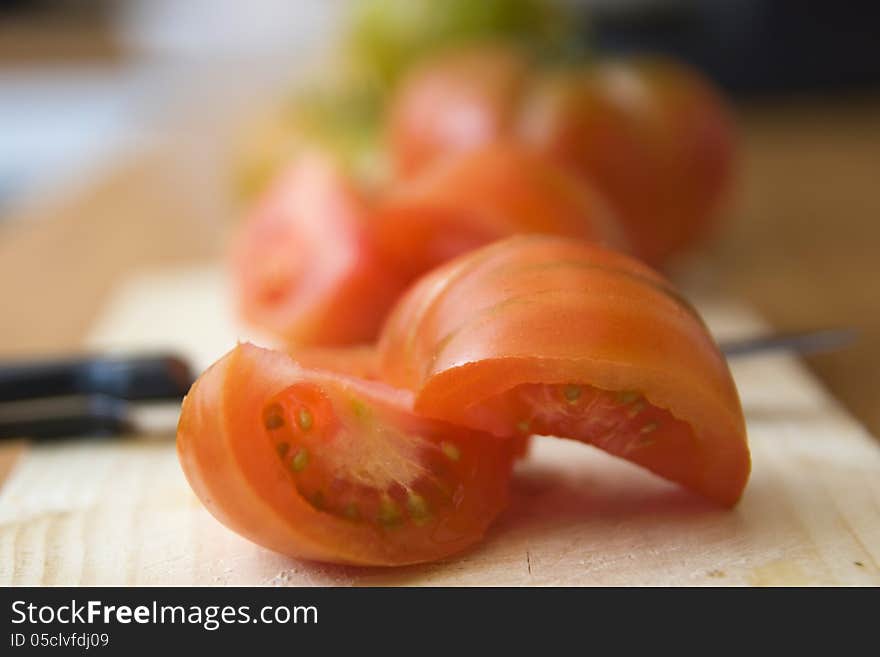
[(456, 100), (305, 263), (468, 200), (331, 468), (652, 135), (545, 335)]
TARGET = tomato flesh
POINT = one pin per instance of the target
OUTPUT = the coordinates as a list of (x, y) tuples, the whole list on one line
[(348, 464), (546, 335), (327, 467), (305, 263), (623, 423)]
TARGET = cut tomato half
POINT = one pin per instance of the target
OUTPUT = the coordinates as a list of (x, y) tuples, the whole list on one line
[(305, 263), (551, 336), (331, 468)]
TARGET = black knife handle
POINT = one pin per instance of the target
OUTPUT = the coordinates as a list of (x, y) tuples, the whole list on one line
[(64, 417), (133, 378)]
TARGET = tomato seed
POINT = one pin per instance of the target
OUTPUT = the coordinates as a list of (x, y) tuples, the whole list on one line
[(300, 460), (627, 396), (360, 409), (635, 409), (417, 507), (304, 419), (452, 452), (572, 393), (389, 513), (317, 500), (274, 418)]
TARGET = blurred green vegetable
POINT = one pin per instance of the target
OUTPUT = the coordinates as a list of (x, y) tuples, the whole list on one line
[(342, 118), (388, 36), (344, 114)]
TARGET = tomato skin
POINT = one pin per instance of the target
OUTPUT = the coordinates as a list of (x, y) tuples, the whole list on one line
[(652, 135), (542, 310), (452, 102), (467, 200), (235, 470), (305, 264)]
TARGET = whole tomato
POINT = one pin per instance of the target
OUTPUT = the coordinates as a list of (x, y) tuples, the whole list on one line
[(653, 136)]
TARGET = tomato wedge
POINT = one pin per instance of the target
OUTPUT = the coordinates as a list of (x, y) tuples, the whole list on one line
[(305, 263), (330, 468), (456, 100), (544, 335), (466, 201)]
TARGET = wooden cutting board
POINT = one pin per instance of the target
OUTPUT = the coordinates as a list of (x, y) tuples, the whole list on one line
[(120, 511)]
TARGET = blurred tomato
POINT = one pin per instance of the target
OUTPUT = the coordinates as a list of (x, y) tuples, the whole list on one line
[(454, 102), (651, 135), (385, 37), (464, 201), (305, 262)]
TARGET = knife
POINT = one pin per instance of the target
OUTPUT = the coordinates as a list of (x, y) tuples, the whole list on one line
[(800, 342), (92, 395)]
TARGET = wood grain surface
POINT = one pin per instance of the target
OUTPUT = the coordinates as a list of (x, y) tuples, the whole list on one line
[(120, 511)]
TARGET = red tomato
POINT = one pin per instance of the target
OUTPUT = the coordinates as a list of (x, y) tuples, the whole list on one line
[(653, 136), (465, 201), (460, 99), (305, 263), (551, 336), (325, 467)]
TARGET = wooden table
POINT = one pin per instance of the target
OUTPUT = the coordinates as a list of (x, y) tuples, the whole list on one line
[(802, 248)]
